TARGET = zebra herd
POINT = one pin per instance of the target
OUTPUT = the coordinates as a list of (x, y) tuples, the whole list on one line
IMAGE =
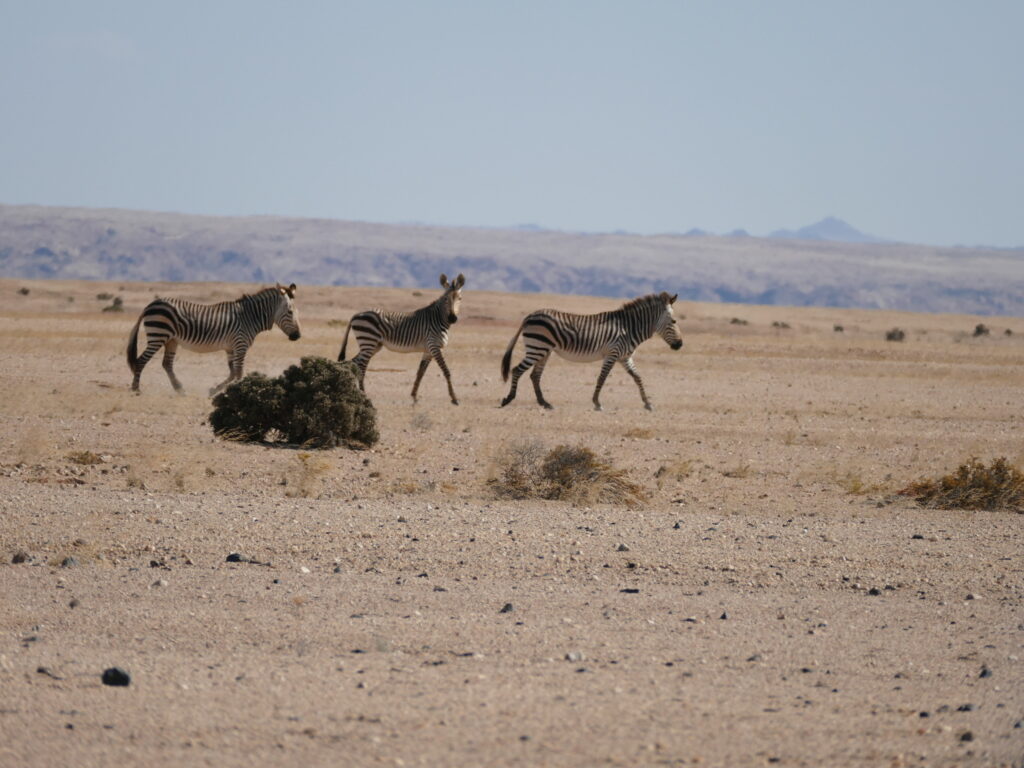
[(232, 326)]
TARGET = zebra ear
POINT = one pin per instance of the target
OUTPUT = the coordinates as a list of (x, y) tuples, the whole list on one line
[(290, 290), (672, 300), (444, 280), (460, 280)]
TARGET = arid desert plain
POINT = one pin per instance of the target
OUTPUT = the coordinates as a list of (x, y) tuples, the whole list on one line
[(772, 602)]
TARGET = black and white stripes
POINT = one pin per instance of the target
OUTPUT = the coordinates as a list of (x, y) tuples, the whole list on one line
[(612, 336), (424, 331), (230, 326)]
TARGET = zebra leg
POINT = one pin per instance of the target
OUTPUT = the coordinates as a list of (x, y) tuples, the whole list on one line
[(631, 368), (447, 375), (535, 374), (606, 368), (170, 350), (152, 347), (424, 362), (362, 361), (236, 362), (518, 371)]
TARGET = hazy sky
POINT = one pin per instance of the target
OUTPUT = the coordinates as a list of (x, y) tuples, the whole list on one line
[(904, 118)]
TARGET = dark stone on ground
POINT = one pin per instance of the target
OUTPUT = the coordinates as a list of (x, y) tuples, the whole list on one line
[(116, 676)]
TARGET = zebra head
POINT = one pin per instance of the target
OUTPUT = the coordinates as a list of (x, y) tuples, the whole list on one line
[(286, 317), (452, 297), (667, 326)]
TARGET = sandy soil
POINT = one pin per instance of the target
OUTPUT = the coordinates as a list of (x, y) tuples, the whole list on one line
[(771, 604)]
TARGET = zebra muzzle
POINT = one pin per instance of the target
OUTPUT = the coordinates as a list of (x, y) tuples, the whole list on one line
[(453, 318), (294, 336)]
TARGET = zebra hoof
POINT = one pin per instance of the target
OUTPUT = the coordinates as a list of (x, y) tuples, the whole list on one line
[(648, 406), (455, 402), (548, 406), (505, 402), (598, 407)]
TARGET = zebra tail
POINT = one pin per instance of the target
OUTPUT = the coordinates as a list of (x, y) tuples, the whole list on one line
[(506, 361), (344, 344), (133, 339)]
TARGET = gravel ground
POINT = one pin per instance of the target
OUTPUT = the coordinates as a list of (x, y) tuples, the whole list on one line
[(772, 602)]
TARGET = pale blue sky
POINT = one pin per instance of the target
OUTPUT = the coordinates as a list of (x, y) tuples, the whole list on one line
[(904, 118)]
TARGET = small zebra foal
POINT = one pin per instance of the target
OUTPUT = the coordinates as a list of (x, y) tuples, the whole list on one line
[(230, 325), (613, 336), (425, 330)]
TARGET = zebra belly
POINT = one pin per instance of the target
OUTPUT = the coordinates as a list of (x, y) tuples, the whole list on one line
[(210, 346), (399, 347), (581, 357)]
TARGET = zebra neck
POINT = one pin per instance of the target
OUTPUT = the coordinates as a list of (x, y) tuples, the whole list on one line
[(259, 308)]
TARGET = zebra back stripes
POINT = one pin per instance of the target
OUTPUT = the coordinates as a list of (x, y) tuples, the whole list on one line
[(424, 331), (612, 336), (230, 326)]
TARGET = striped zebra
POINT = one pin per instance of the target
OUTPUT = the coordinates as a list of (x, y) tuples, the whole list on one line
[(612, 336), (425, 330), (229, 325)]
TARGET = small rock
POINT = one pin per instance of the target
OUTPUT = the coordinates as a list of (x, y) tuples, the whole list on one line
[(924, 714), (874, 591), (574, 656), (965, 708), (622, 548), (755, 657), (74, 603), (21, 556), (235, 557), (985, 672), (506, 608), (972, 596), (304, 569), (1019, 724), (337, 569), (69, 562), (724, 615), (966, 736), (677, 526), (917, 536), (116, 676), (159, 583)]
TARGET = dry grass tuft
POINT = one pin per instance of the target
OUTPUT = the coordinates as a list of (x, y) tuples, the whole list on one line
[(84, 458), (306, 481), (998, 486), (564, 473), (676, 471), (640, 433), (895, 334)]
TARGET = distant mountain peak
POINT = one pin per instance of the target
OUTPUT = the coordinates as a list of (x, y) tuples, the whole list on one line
[(830, 228)]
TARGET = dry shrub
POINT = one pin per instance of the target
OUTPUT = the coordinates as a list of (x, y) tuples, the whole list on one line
[(972, 486), (639, 433), (981, 330), (738, 321), (564, 473), (895, 334)]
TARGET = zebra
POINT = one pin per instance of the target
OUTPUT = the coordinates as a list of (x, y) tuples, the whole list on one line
[(612, 336), (425, 330), (229, 325)]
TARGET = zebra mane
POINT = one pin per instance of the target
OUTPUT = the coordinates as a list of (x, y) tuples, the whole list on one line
[(650, 300), (260, 293)]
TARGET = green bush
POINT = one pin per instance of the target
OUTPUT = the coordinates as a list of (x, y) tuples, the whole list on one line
[(316, 404), (248, 408), (325, 406)]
